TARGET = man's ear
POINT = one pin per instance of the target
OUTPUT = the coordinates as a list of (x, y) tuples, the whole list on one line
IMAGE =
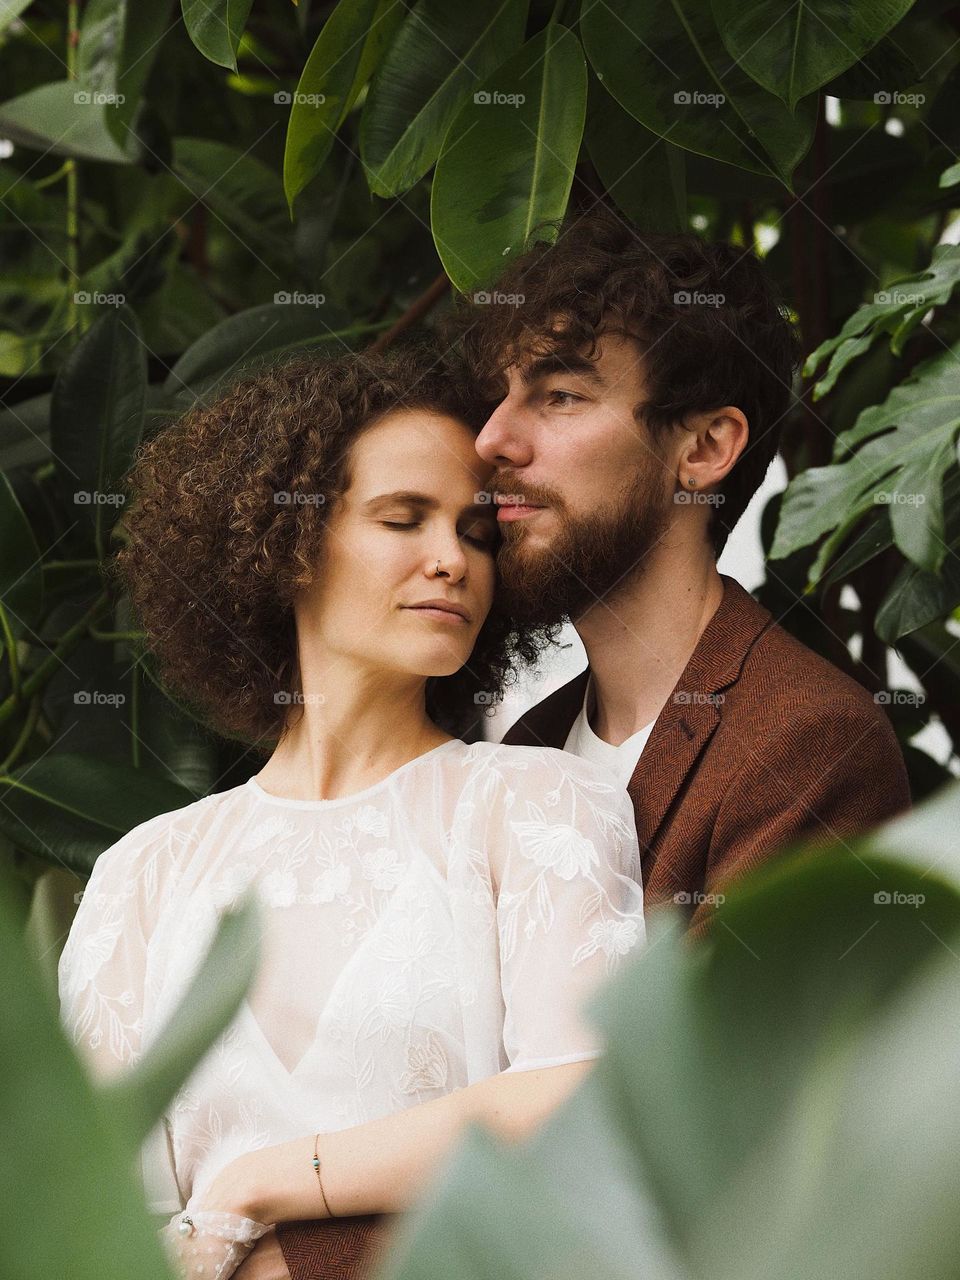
[(714, 442)]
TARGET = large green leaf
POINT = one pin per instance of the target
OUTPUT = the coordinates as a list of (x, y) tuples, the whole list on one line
[(10, 9), (215, 27), (207, 1008), (347, 52), (644, 173), (711, 1139), (70, 1203), (240, 189), (68, 808), (896, 310), (916, 598), (21, 576), (119, 40), (900, 451), (253, 336), (96, 418), (51, 119), (437, 57), (667, 66), (508, 159), (792, 47)]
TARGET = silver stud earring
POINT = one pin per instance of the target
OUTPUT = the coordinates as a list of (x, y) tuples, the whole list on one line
[(691, 482)]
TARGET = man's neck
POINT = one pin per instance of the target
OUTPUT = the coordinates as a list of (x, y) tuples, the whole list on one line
[(639, 642)]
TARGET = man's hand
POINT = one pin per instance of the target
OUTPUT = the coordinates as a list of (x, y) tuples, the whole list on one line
[(265, 1262)]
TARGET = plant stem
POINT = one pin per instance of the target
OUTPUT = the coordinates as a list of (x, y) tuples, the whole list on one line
[(51, 664)]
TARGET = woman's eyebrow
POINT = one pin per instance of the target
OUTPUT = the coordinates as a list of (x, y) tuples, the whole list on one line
[(412, 498)]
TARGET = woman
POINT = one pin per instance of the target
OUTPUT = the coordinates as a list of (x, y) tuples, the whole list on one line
[(313, 561)]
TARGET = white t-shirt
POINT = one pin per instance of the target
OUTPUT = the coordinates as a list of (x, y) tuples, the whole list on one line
[(432, 930), (583, 742)]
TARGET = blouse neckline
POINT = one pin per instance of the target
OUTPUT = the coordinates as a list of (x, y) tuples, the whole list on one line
[(253, 785)]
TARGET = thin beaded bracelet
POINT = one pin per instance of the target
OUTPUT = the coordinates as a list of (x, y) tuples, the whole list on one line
[(316, 1165)]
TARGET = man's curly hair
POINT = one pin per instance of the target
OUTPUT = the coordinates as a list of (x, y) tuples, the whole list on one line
[(212, 560), (709, 326)]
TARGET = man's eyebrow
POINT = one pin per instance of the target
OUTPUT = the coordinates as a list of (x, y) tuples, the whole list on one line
[(544, 366), (411, 497)]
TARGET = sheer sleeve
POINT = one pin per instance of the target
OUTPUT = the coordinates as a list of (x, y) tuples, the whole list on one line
[(102, 975), (569, 903)]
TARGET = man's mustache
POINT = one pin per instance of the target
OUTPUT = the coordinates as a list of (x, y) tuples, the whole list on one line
[(506, 486)]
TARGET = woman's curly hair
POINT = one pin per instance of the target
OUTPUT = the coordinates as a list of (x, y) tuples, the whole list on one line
[(217, 543)]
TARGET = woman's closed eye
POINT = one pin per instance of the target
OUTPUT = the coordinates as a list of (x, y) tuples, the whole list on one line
[(486, 542)]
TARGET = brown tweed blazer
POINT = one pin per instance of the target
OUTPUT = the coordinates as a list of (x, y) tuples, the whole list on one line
[(761, 744)]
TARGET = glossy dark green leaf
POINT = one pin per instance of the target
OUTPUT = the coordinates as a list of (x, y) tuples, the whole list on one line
[(205, 1010), (21, 575), (508, 159), (902, 449), (70, 1153), (215, 27), (896, 310), (348, 50), (667, 66), (435, 61), (50, 118), (68, 808), (645, 175), (240, 190), (792, 47), (96, 418), (252, 336), (119, 41)]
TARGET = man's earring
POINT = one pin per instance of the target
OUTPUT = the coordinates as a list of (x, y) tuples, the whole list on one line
[(691, 482)]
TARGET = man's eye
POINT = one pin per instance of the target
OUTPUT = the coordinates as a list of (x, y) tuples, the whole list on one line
[(562, 397), (398, 524)]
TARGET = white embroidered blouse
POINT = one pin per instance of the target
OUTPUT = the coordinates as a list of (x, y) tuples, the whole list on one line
[(420, 935)]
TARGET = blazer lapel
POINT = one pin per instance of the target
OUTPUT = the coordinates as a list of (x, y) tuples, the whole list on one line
[(692, 712)]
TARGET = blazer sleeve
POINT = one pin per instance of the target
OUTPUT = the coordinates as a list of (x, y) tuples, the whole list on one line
[(828, 773)]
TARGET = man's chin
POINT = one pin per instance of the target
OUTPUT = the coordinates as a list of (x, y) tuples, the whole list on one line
[(528, 587)]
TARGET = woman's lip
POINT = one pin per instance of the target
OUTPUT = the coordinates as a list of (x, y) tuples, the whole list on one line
[(442, 615), (505, 512)]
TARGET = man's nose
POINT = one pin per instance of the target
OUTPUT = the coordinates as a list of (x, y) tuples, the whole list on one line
[(503, 438)]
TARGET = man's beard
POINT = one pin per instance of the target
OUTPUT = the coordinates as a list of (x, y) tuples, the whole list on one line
[(590, 559)]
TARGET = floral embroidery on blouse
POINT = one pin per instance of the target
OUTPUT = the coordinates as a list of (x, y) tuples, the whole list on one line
[(447, 924)]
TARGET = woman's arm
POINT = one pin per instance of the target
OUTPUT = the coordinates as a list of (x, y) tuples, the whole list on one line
[(384, 1165)]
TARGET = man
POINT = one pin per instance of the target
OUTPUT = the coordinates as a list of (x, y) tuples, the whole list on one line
[(641, 383)]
